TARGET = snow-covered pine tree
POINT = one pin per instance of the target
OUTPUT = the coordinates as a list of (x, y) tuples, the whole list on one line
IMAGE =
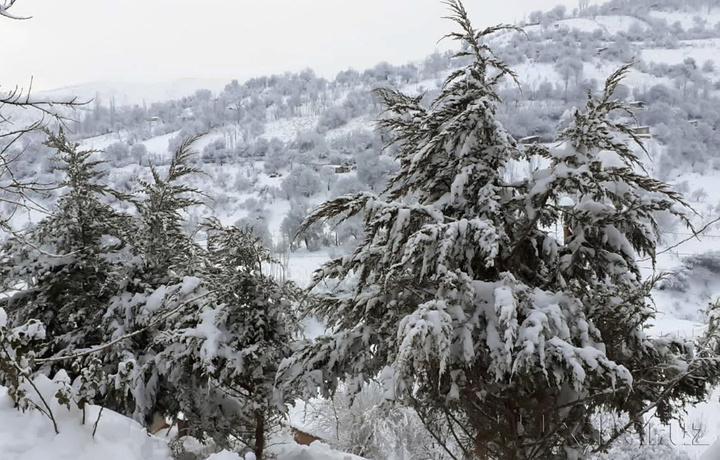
[(165, 247), (597, 186), (463, 303), (222, 358), (70, 265), (160, 279)]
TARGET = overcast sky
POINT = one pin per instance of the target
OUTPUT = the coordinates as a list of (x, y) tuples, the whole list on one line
[(71, 42)]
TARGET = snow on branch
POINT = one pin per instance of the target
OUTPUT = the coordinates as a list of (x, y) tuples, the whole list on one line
[(5, 6)]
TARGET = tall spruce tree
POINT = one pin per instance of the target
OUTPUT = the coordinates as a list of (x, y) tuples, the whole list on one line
[(70, 264), (467, 306)]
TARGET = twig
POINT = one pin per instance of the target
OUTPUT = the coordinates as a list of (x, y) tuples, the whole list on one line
[(97, 421), (696, 234)]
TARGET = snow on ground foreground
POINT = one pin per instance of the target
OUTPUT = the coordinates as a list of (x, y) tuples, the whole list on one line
[(30, 435)]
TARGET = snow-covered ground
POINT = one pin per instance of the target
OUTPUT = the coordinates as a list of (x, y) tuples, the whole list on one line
[(689, 19), (699, 50), (107, 435), (30, 435), (287, 129)]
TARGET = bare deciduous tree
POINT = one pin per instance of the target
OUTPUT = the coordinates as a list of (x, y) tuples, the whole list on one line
[(16, 193)]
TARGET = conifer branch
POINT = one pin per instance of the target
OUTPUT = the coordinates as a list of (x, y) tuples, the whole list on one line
[(130, 335)]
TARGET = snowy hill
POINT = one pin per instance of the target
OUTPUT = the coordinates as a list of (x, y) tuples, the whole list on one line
[(135, 93)]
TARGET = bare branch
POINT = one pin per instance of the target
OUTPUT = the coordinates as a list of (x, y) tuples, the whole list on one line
[(5, 6)]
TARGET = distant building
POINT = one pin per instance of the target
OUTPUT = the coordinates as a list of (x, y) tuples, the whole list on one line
[(636, 105), (337, 169), (530, 140), (154, 122), (642, 131)]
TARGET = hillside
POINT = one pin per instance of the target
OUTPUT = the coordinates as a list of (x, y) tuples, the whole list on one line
[(129, 94), (275, 147)]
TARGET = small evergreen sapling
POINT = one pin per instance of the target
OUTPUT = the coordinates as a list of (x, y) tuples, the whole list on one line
[(159, 279), (223, 356)]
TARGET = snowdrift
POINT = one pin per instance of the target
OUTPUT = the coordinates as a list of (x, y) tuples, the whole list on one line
[(30, 435)]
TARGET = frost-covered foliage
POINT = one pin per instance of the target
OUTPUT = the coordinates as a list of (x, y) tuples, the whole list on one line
[(70, 265), (17, 351), (164, 246), (221, 357), (695, 268), (365, 424), (710, 341), (469, 308), (136, 316)]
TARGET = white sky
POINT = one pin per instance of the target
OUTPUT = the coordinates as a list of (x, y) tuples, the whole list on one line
[(71, 42)]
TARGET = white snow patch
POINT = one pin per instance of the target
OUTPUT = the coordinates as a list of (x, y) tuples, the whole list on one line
[(30, 435)]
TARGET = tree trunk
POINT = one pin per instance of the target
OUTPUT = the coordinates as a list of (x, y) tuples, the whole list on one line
[(481, 452), (259, 435)]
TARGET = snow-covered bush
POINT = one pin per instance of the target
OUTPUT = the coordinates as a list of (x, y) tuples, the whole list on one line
[(365, 424), (301, 181), (698, 267)]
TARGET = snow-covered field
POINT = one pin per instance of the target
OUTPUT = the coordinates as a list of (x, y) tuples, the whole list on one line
[(30, 435), (710, 16), (700, 50)]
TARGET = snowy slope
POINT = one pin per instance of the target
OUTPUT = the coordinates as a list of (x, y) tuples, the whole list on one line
[(689, 18)]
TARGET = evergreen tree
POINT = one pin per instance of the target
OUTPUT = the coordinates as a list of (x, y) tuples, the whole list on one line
[(69, 266), (223, 356), (465, 304), (204, 329), (160, 279), (597, 186), (165, 247)]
